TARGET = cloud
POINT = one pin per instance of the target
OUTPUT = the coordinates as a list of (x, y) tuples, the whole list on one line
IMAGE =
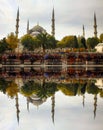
[(69, 15)]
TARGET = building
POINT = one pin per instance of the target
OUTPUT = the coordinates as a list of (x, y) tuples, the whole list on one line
[(36, 30), (99, 47)]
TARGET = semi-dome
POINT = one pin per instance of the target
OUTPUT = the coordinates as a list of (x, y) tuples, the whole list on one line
[(37, 30), (35, 100)]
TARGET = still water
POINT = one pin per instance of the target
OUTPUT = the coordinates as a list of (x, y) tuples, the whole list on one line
[(51, 99)]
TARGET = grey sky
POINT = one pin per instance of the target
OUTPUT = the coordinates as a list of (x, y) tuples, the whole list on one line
[(69, 15)]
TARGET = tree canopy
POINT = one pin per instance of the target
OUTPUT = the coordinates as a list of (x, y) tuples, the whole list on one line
[(101, 37), (68, 41), (3, 45), (29, 42), (92, 42), (12, 41)]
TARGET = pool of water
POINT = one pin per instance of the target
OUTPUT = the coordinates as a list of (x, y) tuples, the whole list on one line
[(46, 104)]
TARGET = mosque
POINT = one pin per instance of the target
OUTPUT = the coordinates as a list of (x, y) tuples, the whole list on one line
[(37, 29)]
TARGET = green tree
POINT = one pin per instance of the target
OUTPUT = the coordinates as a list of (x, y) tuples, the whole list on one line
[(12, 41), (92, 42), (101, 37), (52, 43), (69, 41), (43, 40), (29, 42), (82, 42), (3, 45)]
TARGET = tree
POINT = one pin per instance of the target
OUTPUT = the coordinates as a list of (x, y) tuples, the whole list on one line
[(69, 41), (92, 42), (82, 42), (43, 40), (101, 37), (3, 45), (12, 41), (29, 42), (52, 43)]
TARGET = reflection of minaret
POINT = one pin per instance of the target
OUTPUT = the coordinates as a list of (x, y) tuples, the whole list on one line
[(53, 107), (17, 24), (53, 23), (95, 105), (28, 27), (28, 104), (83, 100), (17, 107), (83, 31), (95, 26)]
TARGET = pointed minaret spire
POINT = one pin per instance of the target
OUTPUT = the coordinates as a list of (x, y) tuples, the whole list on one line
[(53, 23), (95, 26), (83, 31), (17, 24), (28, 27)]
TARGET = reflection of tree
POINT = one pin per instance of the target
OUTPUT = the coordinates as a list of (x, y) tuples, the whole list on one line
[(47, 89), (101, 93), (43, 90), (12, 89), (29, 88), (69, 89), (92, 88), (3, 85)]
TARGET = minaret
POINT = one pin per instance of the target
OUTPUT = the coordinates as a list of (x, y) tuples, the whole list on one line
[(17, 24), (53, 24), (95, 26), (28, 27), (83, 31)]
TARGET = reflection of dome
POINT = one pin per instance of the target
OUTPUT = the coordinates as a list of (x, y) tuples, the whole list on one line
[(35, 100), (37, 30)]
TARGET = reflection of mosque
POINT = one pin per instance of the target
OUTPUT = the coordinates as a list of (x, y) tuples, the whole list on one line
[(57, 73), (35, 100)]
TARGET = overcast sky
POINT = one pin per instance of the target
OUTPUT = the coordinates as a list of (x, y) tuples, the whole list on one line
[(69, 16)]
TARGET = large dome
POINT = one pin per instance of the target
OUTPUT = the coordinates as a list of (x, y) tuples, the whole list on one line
[(35, 100), (37, 30)]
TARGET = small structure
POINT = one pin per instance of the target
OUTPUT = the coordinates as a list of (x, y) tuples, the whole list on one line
[(99, 47), (99, 83)]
